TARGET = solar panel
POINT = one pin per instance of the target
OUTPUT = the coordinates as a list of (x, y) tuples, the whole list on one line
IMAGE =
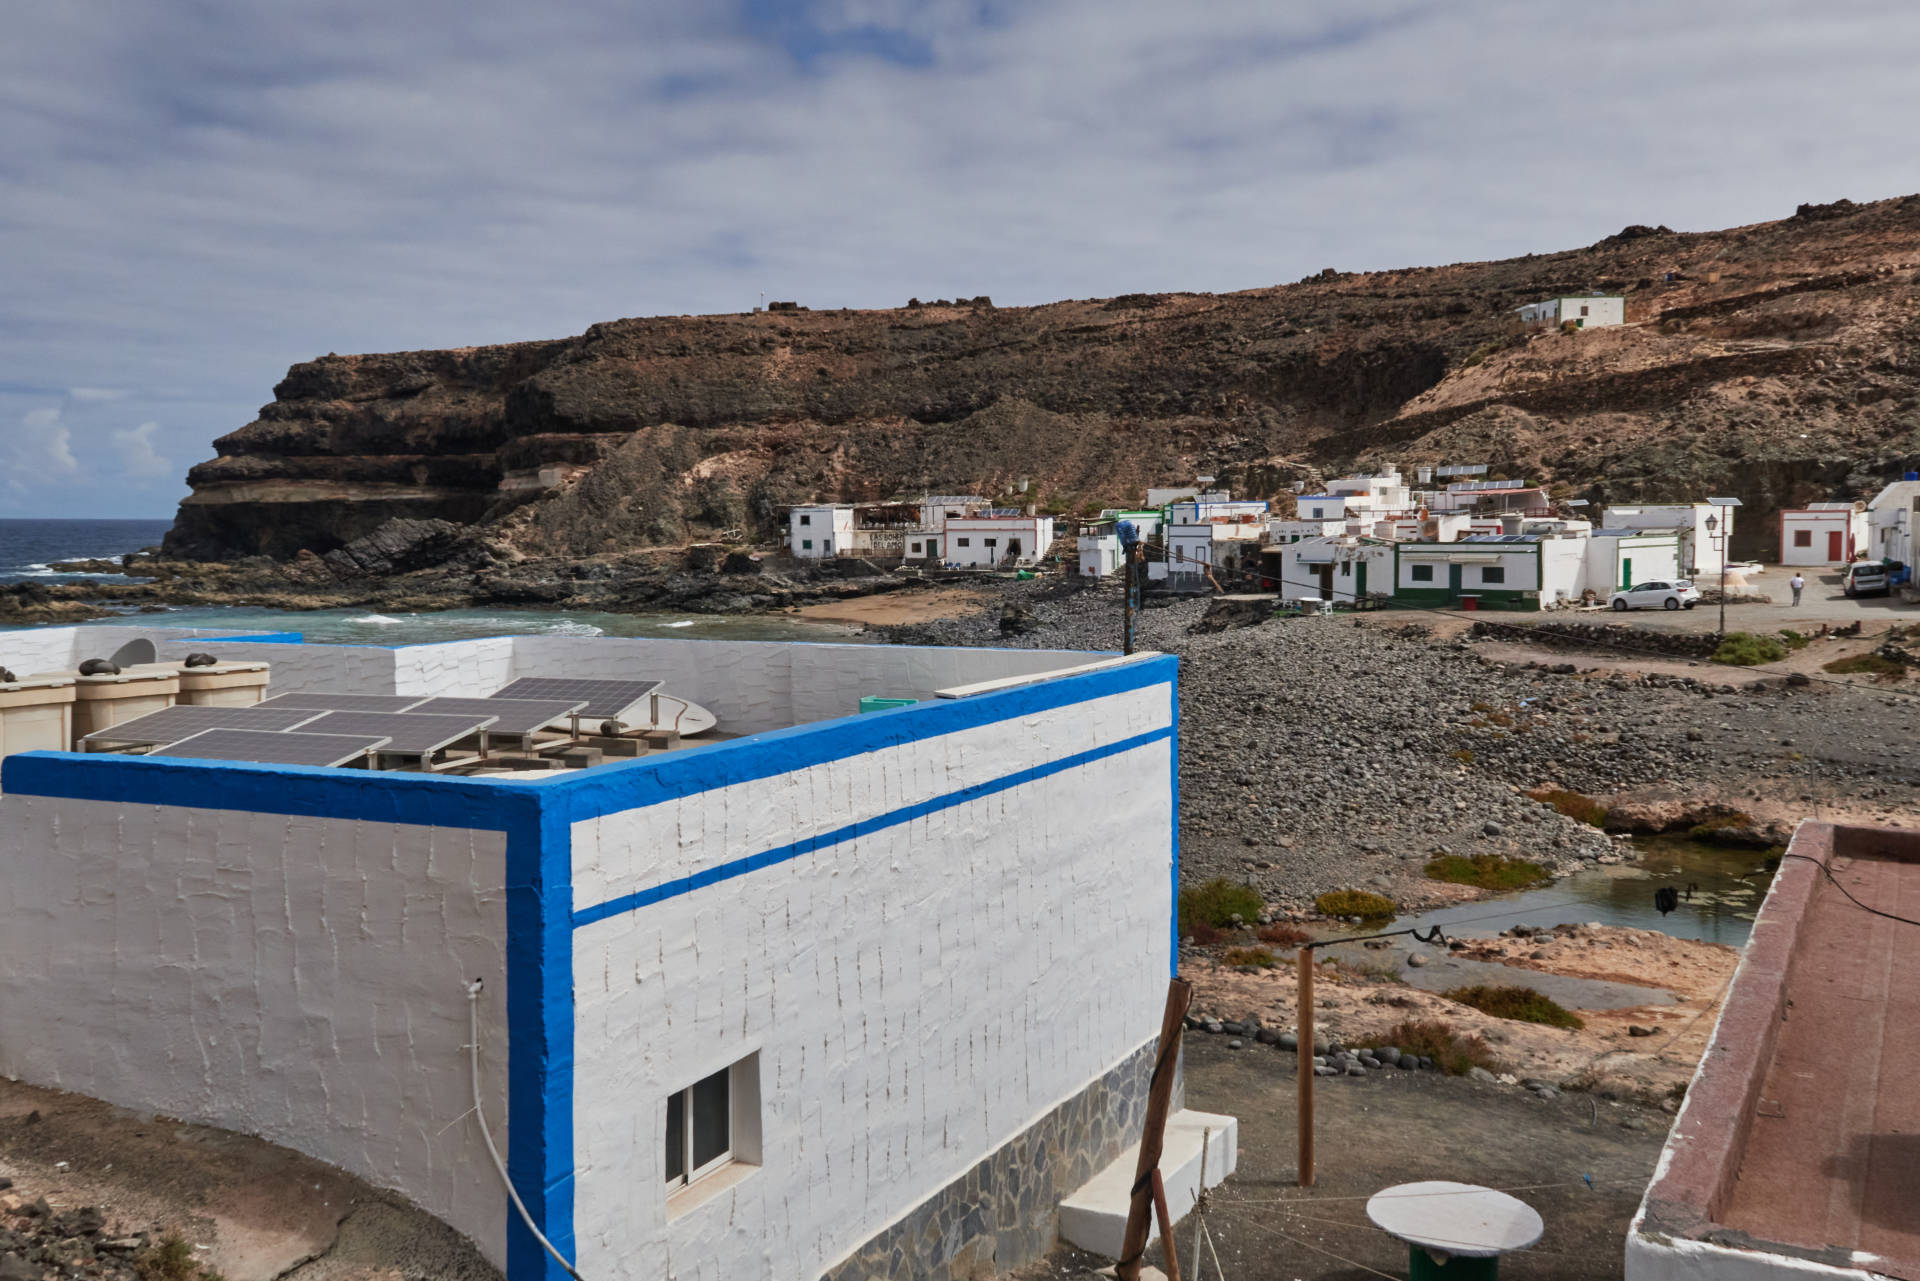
[(603, 699), (325, 701), (273, 748), (175, 723), (405, 732), (510, 715)]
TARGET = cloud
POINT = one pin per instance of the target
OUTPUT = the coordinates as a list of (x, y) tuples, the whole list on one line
[(137, 456), (42, 451), (204, 194), (93, 394)]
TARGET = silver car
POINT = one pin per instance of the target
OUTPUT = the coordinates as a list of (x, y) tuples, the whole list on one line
[(1677, 593)]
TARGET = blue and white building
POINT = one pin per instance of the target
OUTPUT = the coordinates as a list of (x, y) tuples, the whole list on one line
[(755, 1009)]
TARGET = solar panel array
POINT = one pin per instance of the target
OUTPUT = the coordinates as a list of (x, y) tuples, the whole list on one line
[(603, 699), (175, 723), (270, 747), (323, 701), (510, 715), (409, 733)]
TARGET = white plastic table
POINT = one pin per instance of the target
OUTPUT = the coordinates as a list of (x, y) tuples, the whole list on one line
[(1454, 1230)]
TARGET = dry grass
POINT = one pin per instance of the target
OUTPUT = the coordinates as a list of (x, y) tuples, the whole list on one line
[(1434, 1039), (1281, 934), (1487, 871), (1258, 957), (1360, 903), (1574, 805), (1522, 1004)]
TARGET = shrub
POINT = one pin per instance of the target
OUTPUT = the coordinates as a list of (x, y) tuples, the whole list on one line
[(1280, 934), (1793, 639), (1464, 755), (1217, 902), (1878, 666), (1201, 933), (170, 1259), (1256, 956), (1434, 1039), (1731, 820), (1355, 903), (1574, 805), (1744, 649), (1521, 1004), (1488, 871)]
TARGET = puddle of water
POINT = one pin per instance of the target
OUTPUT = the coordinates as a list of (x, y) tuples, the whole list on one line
[(1730, 886)]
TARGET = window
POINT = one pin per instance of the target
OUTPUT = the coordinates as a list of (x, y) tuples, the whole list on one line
[(1420, 573), (1346, 569), (806, 544), (991, 542), (1583, 310), (1803, 538), (806, 520), (712, 1124), (916, 549), (963, 542), (1493, 574)]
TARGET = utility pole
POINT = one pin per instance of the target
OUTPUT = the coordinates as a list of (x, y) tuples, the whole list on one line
[(1129, 580)]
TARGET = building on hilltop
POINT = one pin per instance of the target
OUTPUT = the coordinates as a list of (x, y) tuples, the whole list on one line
[(1582, 311), (762, 1006)]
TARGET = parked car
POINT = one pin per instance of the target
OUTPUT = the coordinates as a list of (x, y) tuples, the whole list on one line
[(1677, 594), (1866, 578)]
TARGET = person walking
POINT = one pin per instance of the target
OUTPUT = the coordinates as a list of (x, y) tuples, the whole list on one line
[(1798, 584)]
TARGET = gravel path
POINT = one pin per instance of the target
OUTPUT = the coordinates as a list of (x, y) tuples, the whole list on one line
[(1321, 754)]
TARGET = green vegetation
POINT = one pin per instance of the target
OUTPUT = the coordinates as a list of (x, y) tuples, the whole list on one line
[(1793, 639), (1358, 903), (1488, 871), (1521, 1004), (171, 1259), (1259, 957), (1574, 805), (1217, 903), (1480, 353), (1280, 934), (1464, 755), (1878, 666), (1721, 824), (1744, 649), (1433, 1039)]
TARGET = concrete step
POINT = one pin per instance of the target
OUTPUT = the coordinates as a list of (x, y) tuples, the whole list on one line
[(1095, 1216)]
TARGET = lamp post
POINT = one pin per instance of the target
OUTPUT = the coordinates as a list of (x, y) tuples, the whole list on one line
[(1713, 525)]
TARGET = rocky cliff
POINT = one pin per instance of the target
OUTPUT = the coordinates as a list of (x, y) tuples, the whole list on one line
[(1779, 362)]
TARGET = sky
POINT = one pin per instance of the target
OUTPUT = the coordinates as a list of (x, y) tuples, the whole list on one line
[(198, 193)]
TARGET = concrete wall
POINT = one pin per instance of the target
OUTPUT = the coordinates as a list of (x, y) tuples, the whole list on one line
[(929, 946), (299, 978), (45, 649)]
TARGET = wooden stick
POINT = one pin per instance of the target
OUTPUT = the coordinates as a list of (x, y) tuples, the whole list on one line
[(1206, 1137), (1159, 1097), (1304, 1120), (1166, 1225)]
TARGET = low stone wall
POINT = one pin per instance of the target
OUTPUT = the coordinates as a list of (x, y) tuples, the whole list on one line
[(1601, 636), (1004, 1212)]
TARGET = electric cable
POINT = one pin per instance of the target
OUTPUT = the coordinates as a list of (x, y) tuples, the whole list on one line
[(480, 1114), (1865, 907)]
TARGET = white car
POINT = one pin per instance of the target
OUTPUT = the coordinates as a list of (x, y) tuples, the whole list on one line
[(1677, 594)]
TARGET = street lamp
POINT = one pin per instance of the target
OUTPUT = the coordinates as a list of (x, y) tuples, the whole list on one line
[(1713, 523)]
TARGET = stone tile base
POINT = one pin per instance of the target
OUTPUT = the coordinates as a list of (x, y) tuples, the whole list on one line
[(1001, 1213)]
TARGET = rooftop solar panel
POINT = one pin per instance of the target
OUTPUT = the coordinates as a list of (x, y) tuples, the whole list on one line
[(603, 699), (175, 723), (273, 748), (405, 732), (326, 701), (510, 715)]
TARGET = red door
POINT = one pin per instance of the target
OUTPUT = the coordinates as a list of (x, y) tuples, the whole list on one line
[(1834, 553)]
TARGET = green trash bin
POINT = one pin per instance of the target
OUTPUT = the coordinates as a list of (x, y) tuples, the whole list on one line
[(874, 703)]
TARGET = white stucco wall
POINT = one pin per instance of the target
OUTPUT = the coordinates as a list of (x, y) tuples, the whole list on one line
[(917, 995), (44, 649), (457, 669), (301, 979)]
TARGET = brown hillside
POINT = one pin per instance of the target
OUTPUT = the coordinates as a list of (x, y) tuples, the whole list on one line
[(1779, 362)]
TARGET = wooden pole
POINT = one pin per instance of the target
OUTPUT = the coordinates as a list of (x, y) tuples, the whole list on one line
[(1127, 577), (1159, 1097), (1166, 1225), (1206, 1138), (1304, 1121)]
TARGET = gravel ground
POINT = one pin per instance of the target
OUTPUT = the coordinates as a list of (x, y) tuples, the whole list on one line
[(1322, 754)]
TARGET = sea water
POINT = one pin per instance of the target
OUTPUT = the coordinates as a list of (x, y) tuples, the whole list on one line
[(29, 549)]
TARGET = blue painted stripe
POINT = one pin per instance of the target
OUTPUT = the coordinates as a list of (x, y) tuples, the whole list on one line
[(1173, 822), (614, 789), (262, 638), (854, 831)]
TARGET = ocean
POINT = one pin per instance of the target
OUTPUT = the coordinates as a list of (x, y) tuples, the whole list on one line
[(28, 547)]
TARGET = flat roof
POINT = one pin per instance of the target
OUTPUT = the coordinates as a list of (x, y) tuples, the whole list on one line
[(1801, 1128)]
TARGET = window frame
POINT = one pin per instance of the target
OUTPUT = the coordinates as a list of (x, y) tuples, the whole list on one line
[(1419, 573), (805, 519), (690, 1173), (963, 542), (806, 544), (1499, 575), (694, 1185), (1803, 538)]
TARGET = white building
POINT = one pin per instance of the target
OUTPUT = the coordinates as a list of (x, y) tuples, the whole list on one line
[(1891, 518), (1583, 311), (937, 509), (1489, 498), (996, 541), (1293, 531), (1376, 494), (1231, 518), (1619, 558), (1100, 553), (814, 533), (1701, 550), (1494, 571), (1823, 534), (1343, 569), (755, 1010)]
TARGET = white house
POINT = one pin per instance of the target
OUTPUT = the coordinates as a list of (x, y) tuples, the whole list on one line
[(1701, 549), (764, 1008), (1343, 569), (1891, 518), (1493, 571), (994, 541), (1823, 534), (1293, 531), (1619, 558), (1100, 553), (1583, 311), (1233, 519), (937, 509), (1375, 494), (814, 533)]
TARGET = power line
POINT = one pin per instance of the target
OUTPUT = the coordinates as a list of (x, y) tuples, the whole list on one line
[(1828, 873)]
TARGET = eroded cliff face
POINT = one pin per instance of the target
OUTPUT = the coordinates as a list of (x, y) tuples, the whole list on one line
[(1784, 357)]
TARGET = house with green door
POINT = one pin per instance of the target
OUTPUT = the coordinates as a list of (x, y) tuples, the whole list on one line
[(1619, 558), (1493, 571)]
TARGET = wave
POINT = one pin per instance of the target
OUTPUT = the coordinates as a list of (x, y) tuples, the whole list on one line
[(378, 620), (567, 627), (685, 622)]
